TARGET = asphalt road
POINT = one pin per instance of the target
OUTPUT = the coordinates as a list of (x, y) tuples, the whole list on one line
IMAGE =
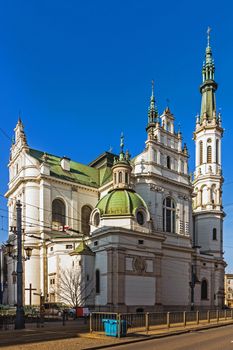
[(214, 339)]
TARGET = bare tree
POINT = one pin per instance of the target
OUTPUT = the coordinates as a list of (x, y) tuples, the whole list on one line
[(72, 289)]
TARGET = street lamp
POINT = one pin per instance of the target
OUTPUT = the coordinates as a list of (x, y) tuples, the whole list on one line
[(9, 249), (28, 251)]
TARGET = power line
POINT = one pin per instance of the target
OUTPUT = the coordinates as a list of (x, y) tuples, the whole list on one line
[(6, 135)]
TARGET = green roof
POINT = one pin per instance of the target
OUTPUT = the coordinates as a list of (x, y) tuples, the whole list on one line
[(120, 202), (79, 173), (82, 249)]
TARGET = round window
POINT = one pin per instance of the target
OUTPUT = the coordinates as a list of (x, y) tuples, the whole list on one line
[(140, 218)]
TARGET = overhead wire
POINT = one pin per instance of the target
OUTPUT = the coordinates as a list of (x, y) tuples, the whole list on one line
[(54, 187), (31, 224)]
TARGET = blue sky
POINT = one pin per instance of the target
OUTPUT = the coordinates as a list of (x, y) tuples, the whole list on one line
[(80, 73)]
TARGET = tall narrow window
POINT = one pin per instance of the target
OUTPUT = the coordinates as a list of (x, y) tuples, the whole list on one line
[(120, 177), (214, 234), (85, 219), (204, 290), (126, 178), (169, 126), (161, 159), (58, 213), (168, 162), (182, 166), (217, 151), (209, 154), (155, 156), (200, 152), (169, 220), (97, 281)]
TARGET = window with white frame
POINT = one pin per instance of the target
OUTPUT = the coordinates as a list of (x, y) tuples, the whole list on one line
[(169, 211)]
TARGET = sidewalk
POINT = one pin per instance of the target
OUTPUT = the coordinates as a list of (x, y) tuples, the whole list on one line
[(74, 336)]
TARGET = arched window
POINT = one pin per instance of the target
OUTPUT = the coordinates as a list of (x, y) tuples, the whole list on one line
[(169, 126), (209, 154), (200, 152), (168, 162), (214, 234), (169, 221), (126, 178), (97, 219), (58, 213), (120, 177), (115, 180), (204, 290), (85, 219), (97, 281), (140, 218), (217, 151)]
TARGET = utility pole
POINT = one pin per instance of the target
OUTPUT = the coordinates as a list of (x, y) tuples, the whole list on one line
[(19, 321)]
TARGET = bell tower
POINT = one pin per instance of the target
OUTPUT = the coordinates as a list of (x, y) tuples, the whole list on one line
[(208, 179)]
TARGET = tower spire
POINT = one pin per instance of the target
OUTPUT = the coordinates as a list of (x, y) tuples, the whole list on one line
[(209, 86), (152, 111)]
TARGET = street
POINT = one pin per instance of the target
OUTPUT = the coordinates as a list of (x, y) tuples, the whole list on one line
[(213, 339)]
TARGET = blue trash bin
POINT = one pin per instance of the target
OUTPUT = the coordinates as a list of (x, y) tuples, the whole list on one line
[(111, 327)]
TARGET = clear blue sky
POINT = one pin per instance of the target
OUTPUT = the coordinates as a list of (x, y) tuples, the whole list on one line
[(80, 72)]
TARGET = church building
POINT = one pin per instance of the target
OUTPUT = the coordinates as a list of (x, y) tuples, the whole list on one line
[(133, 235)]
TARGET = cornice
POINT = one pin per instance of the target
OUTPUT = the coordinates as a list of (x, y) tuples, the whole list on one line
[(23, 180), (104, 231), (167, 148), (207, 127), (166, 180), (176, 248), (214, 177)]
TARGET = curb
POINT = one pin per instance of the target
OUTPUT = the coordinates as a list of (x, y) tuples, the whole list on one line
[(157, 336)]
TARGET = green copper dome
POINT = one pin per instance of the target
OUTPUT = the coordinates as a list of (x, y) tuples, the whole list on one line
[(120, 202)]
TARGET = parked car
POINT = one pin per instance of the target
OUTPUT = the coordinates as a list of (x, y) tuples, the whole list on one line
[(54, 309)]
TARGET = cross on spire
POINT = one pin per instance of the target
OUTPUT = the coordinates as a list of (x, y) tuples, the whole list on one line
[(122, 143), (152, 88), (208, 36)]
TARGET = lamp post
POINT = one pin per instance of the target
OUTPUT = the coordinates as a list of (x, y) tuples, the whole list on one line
[(19, 321)]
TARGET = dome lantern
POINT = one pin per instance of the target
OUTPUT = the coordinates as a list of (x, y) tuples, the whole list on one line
[(121, 168)]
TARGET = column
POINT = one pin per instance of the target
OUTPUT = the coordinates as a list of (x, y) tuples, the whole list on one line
[(209, 195)]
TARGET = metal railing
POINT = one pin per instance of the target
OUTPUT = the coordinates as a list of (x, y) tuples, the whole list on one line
[(145, 322), (7, 321)]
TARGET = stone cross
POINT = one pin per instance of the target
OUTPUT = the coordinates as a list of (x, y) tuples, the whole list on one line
[(30, 289)]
